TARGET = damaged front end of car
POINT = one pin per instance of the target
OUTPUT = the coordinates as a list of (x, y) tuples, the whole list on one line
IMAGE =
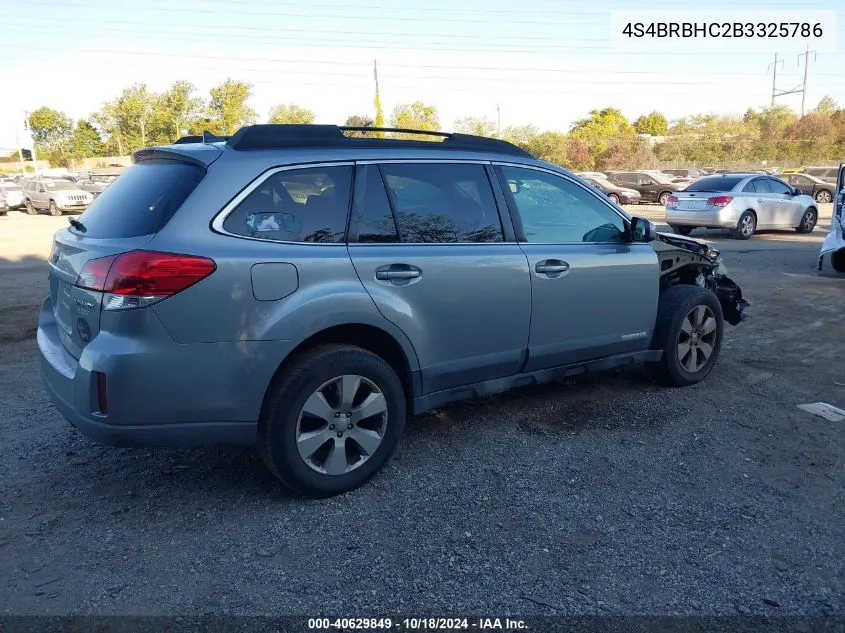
[(685, 260)]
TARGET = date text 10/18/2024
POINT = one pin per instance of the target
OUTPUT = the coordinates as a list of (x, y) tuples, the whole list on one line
[(415, 624)]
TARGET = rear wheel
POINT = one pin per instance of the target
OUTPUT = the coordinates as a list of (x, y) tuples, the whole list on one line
[(837, 260), (663, 198), (808, 221), (689, 331), (824, 196), (745, 226), (680, 230), (331, 420), (54, 210), (29, 208)]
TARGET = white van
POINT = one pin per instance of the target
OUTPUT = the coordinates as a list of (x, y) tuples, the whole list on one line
[(834, 243)]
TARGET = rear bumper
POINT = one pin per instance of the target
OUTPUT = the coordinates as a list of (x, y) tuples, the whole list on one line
[(726, 218), (159, 393)]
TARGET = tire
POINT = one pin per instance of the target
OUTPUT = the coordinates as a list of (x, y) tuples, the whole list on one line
[(808, 221), (283, 420), (685, 359), (837, 260), (31, 210), (824, 195), (3, 212), (663, 198), (681, 230), (54, 210), (745, 226), (613, 198)]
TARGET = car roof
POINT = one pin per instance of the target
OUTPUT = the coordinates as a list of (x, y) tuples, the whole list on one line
[(331, 140)]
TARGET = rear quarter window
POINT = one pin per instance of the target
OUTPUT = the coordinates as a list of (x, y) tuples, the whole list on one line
[(142, 200)]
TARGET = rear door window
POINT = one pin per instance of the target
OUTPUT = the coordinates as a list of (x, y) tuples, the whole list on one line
[(142, 200), (442, 203), (310, 204)]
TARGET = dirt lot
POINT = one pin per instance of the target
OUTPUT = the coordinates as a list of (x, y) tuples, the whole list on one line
[(603, 495)]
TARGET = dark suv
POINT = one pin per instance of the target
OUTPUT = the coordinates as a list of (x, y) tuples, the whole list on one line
[(651, 186), (305, 291)]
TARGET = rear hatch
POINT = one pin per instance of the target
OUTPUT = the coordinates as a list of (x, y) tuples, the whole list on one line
[(122, 219)]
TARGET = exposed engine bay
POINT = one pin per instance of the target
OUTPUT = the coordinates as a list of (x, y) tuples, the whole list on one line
[(685, 260)]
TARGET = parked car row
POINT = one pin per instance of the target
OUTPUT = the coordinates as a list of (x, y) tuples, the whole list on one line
[(56, 194)]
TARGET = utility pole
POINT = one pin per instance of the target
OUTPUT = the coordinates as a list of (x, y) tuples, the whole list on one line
[(806, 56), (775, 77), (498, 121), (775, 91), (32, 151)]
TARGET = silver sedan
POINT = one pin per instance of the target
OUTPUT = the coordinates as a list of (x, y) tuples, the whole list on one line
[(743, 203)]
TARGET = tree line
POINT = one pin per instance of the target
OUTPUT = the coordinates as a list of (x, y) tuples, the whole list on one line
[(604, 139)]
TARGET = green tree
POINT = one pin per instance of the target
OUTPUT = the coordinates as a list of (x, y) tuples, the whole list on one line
[(379, 119), (359, 120), (478, 126), (520, 135), (85, 141), (176, 112), (51, 131), (602, 127), (228, 109), (827, 105), (290, 113), (654, 124), (626, 154), (135, 112), (108, 124), (416, 116)]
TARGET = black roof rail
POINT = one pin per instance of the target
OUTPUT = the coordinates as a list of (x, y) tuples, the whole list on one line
[(281, 136)]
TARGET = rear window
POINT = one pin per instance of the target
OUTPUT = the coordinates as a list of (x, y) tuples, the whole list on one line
[(716, 183), (142, 200)]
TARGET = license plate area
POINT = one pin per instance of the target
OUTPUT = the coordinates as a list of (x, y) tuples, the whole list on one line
[(693, 205)]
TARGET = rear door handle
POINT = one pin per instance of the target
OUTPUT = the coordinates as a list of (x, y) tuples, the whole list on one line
[(551, 266), (397, 274), (398, 271)]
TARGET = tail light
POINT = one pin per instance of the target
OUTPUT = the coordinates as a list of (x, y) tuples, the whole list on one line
[(139, 278), (719, 201), (672, 200)]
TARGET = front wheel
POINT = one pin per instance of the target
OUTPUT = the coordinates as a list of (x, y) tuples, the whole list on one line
[(29, 208), (613, 198), (745, 226), (54, 210), (689, 331), (331, 420), (824, 196), (808, 221)]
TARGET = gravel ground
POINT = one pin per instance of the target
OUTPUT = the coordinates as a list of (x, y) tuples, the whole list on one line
[(606, 495)]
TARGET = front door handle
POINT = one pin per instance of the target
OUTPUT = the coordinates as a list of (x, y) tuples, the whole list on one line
[(551, 266), (398, 271)]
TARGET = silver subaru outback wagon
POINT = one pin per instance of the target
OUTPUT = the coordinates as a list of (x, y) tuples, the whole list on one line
[(306, 291)]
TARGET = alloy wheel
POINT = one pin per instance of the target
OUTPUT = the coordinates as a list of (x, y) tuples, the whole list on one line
[(341, 424), (747, 225), (696, 338)]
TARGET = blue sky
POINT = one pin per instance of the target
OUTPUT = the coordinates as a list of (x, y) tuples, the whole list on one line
[(546, 62)]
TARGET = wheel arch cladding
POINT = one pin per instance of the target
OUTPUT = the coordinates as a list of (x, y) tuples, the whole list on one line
[(368, 337)]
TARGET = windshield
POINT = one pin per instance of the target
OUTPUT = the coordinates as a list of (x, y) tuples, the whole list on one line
[(663, 179), (60, 184), (604, 182)]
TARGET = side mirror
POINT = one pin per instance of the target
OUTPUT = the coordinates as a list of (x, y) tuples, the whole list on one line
[(642, 229), (797, 192)]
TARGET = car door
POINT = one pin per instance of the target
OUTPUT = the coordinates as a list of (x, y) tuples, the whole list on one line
[(649, 187), (40, 197), (594, 293), (805, 184), (428, 242), (761, 200), (790, 208)]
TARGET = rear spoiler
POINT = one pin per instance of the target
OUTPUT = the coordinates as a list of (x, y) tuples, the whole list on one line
[(202, 155)]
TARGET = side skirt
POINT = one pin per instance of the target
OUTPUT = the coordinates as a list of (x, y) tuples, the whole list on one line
[(498, 385)]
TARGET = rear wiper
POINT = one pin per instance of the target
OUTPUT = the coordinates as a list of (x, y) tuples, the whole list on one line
[(77, 225)]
